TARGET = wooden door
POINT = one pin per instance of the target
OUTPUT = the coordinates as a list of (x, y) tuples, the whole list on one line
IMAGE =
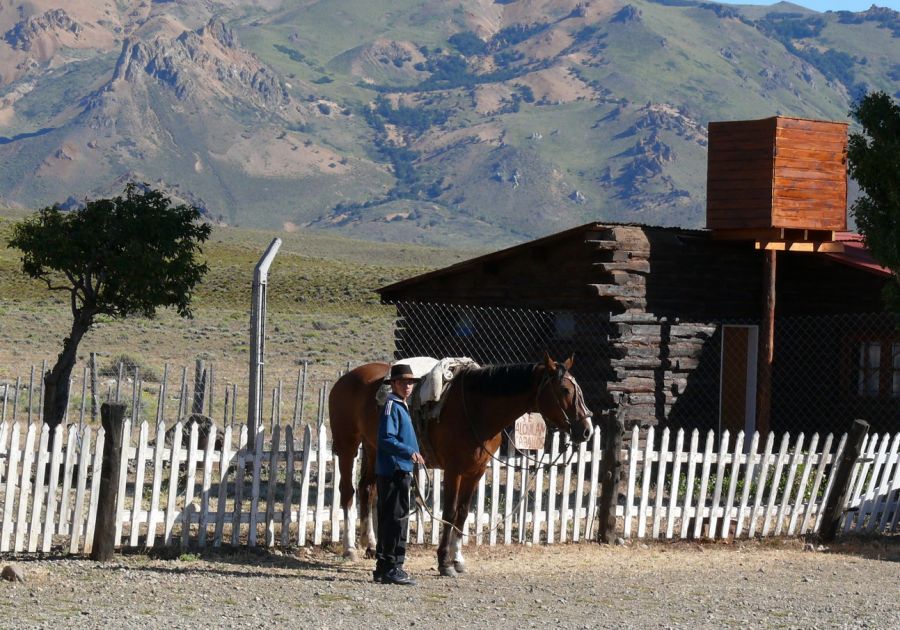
[(737, 384)]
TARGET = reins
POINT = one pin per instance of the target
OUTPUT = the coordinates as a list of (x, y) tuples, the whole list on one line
[(480, 442)]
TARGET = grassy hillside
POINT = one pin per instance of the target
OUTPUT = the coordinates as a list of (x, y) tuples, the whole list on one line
[(321, 308)]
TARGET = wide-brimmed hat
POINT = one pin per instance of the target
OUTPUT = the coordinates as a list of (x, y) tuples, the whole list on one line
[(401, 371)]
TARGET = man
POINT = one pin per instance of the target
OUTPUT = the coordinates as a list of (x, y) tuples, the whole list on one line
[(397, 452)]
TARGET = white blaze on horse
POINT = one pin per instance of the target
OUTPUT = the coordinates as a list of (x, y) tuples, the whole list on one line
[(479, 405)]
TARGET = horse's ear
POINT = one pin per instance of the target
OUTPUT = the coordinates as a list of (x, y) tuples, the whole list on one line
[(568, 363), (548, 362)]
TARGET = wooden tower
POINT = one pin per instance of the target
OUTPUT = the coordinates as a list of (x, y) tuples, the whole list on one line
[(781, 183)]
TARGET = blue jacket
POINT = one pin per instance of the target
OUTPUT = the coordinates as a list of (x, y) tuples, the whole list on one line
[(396, 438)]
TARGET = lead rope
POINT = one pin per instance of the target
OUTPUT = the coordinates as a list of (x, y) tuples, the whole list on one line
[(422, 502)]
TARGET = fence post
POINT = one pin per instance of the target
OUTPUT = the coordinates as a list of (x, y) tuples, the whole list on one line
[(610, 473), (112, 415), (95, 398), (199, 387), (834, 508)]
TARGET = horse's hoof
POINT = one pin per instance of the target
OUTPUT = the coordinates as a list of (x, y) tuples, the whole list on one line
[(448, 571), (351, 555), (370, 554), (460, 567)]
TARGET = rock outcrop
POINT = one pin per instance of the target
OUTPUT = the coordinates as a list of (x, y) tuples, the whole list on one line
[(196, 63), (23, 34)]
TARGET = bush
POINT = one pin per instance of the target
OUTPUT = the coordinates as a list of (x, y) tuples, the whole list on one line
[(468, 43), (129, 363)]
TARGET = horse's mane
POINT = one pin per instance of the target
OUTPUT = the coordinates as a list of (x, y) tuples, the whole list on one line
[(502, 380)]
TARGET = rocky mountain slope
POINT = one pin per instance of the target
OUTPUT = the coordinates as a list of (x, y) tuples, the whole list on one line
[(478, 122)]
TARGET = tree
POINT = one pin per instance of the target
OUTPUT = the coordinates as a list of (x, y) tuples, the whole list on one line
[(874, 158), (122, 256)]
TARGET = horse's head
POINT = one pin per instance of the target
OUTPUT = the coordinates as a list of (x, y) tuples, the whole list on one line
[(561, 402)]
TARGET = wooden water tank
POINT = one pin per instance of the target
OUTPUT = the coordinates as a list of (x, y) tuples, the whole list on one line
[(777, 172)]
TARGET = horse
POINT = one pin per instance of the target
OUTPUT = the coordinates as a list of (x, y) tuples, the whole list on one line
[(479, 405)]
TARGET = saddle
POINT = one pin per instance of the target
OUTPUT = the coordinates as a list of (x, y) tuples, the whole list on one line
[(427, 399)]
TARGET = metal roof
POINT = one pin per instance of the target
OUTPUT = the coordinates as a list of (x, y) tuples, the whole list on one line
[(856, 255)]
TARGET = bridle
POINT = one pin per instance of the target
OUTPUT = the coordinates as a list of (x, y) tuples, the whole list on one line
[(562, 374)]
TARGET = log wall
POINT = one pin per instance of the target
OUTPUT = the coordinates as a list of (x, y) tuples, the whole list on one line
[(648, 303)]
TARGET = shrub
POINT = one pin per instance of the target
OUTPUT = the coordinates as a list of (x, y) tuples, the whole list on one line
[(129, 363)]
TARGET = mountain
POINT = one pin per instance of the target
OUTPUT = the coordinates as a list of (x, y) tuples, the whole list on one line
[(479, 122)]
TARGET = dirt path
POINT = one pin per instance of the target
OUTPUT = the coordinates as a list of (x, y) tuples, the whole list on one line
[(776, 584)]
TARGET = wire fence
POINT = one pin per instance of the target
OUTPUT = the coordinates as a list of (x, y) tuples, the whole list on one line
[(827, 371)]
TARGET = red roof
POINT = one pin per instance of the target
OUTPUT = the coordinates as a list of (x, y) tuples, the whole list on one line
[(856, 255)]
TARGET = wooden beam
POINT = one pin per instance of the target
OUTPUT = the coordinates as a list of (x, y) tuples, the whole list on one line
[(799, 246), (766, 346), (747, 234), (803, 235)]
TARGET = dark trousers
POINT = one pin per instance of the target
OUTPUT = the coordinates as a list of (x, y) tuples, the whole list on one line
[(393, 520)]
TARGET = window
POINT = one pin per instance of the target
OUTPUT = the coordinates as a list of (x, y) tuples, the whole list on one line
[(868, 372), (564, 325), (878, 369)]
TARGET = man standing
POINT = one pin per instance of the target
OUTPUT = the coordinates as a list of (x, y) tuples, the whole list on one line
[(397, 451)]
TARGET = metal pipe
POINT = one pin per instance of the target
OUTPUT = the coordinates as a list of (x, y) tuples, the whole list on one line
[(258, 339)]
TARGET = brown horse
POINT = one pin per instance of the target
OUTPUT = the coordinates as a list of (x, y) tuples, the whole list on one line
[(480, 404)]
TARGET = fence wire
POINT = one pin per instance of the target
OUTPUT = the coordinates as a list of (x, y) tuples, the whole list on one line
[(826, 371)]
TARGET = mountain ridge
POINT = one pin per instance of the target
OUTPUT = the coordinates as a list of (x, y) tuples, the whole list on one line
[(473, 124)]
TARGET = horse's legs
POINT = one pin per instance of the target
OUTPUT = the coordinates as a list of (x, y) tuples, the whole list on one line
[(345, 463), (448, 534), (463, 503), (367, 492)]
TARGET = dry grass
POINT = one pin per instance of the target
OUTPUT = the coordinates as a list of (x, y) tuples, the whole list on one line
[(322, 308)]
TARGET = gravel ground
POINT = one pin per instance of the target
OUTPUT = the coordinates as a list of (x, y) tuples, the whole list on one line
[(772, 584)]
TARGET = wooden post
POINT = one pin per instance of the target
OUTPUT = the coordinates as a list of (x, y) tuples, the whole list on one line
[(199, 387), (42, 390), (112, 415), (15, 404), (119, 376), (610, 474), (182, 395), (84, 381), (30, 394), (297, 400), (766, 347), (212, 390), (834, 507), (95, 399)]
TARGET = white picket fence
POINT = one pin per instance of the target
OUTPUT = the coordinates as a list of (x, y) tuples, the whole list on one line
[(283, 492)]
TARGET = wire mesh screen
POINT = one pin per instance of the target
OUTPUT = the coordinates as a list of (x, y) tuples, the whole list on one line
[(493, 336), (827, 371)]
